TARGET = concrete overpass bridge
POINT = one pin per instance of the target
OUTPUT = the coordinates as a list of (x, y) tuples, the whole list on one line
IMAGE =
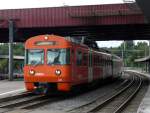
[(96, 22)]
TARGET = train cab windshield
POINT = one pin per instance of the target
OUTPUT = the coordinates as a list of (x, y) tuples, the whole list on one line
[(35, 57), (58, 56)]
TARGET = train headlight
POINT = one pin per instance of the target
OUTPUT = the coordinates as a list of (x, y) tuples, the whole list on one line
[(32, 72), (58, 72), (46, 37)]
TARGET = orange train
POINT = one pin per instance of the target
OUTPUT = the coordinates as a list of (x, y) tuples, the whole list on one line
[(59, 63)]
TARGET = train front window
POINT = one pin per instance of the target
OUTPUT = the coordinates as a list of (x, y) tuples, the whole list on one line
[(35, 57), (58, 56)]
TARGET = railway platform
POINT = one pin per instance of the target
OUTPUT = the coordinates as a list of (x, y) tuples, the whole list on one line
[(145, 104), (8, 88)]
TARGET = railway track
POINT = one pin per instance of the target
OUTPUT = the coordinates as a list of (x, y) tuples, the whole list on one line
[(26, 102), (113, 102), (25, 94)]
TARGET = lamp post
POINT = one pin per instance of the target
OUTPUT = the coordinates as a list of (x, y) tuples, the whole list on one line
[(123, 53)]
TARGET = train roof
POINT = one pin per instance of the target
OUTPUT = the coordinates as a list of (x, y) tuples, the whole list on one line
[(93, 45), (115, 57), (104, 50), (77, 40), (82, 40)]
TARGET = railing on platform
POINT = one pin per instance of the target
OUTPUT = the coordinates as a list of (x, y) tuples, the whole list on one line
[(143, 70), (15, 76)]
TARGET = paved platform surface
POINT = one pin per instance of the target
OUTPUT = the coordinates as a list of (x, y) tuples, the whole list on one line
[(7, 87), (140, 72), (145, 104)]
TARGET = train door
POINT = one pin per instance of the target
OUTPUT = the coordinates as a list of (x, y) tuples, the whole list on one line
[(80, 68), (90, 67), (73, 57), (104, 67)]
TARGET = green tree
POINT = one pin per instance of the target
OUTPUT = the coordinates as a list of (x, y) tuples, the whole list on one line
[(131, 52), (18, 49), (3, 65)]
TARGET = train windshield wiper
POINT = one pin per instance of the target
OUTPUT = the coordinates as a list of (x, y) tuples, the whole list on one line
[(37, 63)]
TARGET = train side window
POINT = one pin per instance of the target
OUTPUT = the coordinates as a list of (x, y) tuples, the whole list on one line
[(72, 52), (79, 58), (107, 62), (26, 58), (85, 55), (72, 55), (103, 62), (100, 61), (94, 60), (97, 60)]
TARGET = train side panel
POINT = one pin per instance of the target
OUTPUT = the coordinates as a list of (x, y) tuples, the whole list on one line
[(97, 66), (80, 65)]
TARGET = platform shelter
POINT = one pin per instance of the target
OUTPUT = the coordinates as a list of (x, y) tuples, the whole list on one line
[(145, 62)]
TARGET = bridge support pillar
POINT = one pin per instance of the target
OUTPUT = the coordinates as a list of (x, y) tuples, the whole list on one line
[(11, 36)]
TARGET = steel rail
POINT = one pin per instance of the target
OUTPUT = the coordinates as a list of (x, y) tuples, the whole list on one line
[(21, 101), (123, 105), (104, 95), (111, 97), (40, 102), (25, 94)]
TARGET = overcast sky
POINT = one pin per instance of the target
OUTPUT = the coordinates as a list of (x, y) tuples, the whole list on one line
[(109, 43), (13, 4), (116, 43)]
